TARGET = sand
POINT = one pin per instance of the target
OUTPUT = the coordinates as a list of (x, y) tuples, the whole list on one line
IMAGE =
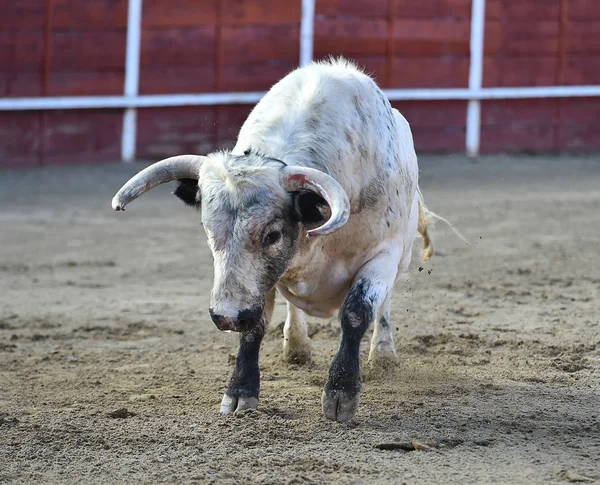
[(111, 371)]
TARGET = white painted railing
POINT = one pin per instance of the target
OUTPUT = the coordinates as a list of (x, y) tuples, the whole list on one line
[(475, 76), (132, 78), (131, 100)]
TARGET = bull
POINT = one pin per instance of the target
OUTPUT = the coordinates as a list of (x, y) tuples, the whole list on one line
[(319, 201)]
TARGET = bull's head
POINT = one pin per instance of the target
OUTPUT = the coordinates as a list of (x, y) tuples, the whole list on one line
[(253, 212)]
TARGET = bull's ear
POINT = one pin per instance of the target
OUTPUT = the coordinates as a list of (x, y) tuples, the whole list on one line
[(309, 207), (187, 190)]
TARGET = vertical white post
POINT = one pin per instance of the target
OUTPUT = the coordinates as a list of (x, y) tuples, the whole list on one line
[(132, 74), (475, 77), (307, 28)]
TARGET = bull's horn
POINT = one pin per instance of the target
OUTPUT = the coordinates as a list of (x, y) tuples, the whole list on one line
[(303, 178), (174, 168)]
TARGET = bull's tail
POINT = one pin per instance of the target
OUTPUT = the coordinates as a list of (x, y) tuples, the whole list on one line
[(427, 219)]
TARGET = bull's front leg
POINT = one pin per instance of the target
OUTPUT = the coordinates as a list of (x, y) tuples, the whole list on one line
[(371, 288), (244, 386)]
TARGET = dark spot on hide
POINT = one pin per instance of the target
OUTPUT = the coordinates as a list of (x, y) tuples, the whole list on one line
[(383, 98), (273, 264), (313, 122), (390, 150), (245, 381), (358, 310), (314, 156), (361, 115), (357, 313), (359, 109), (369, 196), (349, 138), (187, 191)]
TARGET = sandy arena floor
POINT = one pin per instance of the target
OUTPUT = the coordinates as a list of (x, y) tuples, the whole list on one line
[(111, 371)]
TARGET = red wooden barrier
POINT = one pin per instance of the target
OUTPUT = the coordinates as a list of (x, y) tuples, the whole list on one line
[(69, 47)]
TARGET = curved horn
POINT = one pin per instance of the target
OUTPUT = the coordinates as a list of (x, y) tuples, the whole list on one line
[(179, 167), (303, 178)]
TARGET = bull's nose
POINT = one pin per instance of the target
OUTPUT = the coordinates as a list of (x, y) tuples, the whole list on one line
[(221, 322), (244, 321)]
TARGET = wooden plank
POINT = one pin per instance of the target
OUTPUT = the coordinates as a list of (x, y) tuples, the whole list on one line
[(21, 50), (87, 50), (501, 71), (579, 121), (434, 114), (523, 125), (105, 156), (521, 38), (181, 46), (583, 10), (437, 126), (262, 43), (433, 9), (582, 69), (440, 140), (229, 121), (97, 13), (164, 132), (508, 10), (583, 37), (352, 8), (19, 161), (179, 13), (23, 14), (20, 84), (430, 72), (109, 156), (73, 135), (85, 83), (255, 76), (350, 36), (263, 12), (493, 9), (431, 37), (177, 79), (19, 139), (493, 37)]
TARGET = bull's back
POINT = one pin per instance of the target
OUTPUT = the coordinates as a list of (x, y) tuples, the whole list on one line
[(328, 116)]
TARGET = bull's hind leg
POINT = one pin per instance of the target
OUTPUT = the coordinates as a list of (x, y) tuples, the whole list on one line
[(372, 285), (244, 386), (296, 343), (382, 354)]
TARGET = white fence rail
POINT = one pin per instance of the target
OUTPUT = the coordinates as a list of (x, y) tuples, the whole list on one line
[(131, 100)]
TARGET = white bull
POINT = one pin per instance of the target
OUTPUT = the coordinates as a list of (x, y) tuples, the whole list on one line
[(319, 200)]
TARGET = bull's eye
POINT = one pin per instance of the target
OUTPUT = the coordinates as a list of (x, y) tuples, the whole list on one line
[(272, 238)]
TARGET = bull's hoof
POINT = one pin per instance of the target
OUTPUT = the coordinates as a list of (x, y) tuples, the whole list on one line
[(232, 404), (339, 405), (382, 362), (299, 356)]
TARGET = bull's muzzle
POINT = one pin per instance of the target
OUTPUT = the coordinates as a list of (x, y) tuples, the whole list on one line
[(244, 321)]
